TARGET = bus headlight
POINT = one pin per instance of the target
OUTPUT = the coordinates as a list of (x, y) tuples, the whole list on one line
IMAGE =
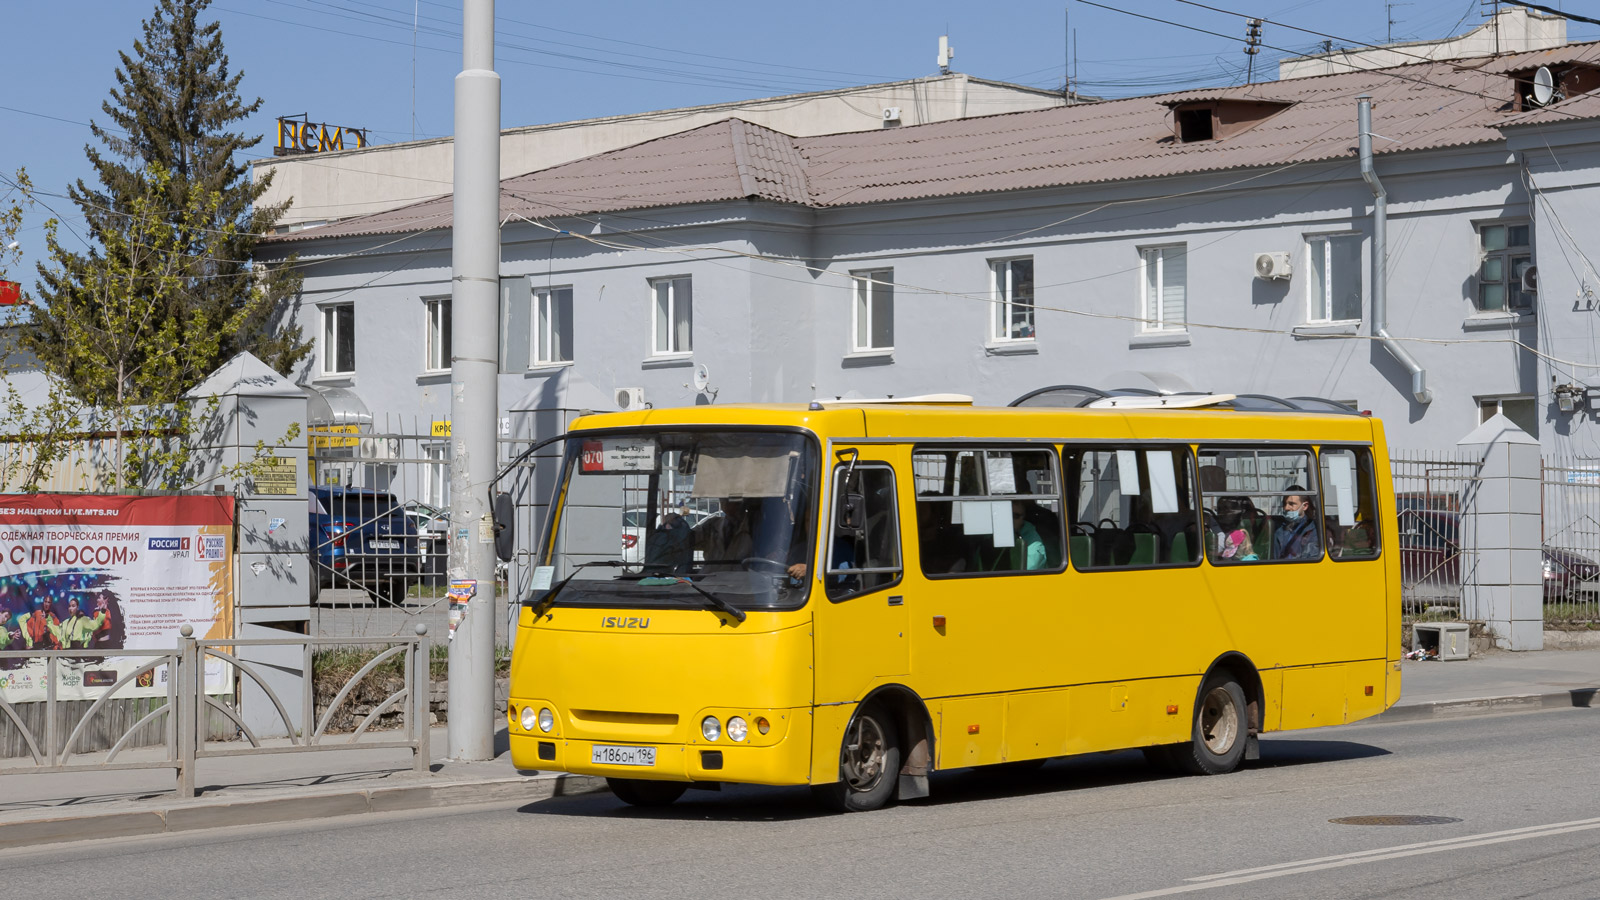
[(711, 728), (527, 718), (737, 729), (547, 720)]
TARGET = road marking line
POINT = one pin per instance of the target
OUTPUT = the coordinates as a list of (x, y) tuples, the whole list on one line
[(1244, 876)]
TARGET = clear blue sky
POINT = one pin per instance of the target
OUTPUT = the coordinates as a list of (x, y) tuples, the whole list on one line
[(350, 62)]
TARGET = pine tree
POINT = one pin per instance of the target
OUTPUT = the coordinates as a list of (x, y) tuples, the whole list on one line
[(172, 111)]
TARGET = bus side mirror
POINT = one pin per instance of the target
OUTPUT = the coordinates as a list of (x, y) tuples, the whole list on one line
[(505, 526), (853, 512)]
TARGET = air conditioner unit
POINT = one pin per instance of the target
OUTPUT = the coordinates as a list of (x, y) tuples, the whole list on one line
[(1273, 265), (630, 398), (1530, 279), (379, 448), (891, 113)]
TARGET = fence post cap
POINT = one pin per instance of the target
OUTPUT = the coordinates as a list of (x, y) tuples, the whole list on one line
[(422, 628), (187, 631)]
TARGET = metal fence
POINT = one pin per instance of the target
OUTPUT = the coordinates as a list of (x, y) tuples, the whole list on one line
[(179, 717), (1570, 513), (1432, 489)]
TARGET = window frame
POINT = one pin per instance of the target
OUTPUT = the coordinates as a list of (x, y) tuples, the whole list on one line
[(1377, 495), (546, 328), (329, 349), (1059, 497), (839, 470), (861, 296), (1156, 323), (437, 312), (1323, 314), (1001, 293), (1313, 489), (670, 282), (1195, 500), (1507, 255)]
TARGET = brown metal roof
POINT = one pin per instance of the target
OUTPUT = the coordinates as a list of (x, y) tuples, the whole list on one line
[(1424, 106)]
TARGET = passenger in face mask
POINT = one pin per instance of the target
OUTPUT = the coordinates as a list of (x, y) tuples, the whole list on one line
[(1298, 537)]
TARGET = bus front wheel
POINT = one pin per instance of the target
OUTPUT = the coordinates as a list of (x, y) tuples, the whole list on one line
[(1221, 729), (637, 792), (869, 764)]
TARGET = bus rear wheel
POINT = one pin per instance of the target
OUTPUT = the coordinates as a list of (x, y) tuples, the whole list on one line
[(637, 792), (869, 764), (1221, 730)]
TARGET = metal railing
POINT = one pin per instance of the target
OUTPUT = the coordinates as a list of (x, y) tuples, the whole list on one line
[(1432, 490), (1570, 515), (187, 698)]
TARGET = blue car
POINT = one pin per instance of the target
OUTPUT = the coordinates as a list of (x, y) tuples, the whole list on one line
[(363, 539)]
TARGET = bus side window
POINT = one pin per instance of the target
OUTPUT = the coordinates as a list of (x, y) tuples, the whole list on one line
[(864, 550), (990, 511), (1133, 508), (1260, 505), (1349, 503)]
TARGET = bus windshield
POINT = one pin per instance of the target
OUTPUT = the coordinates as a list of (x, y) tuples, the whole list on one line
[(662, 516)]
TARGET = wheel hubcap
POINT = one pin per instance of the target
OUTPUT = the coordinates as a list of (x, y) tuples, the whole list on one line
[(863, 756), (1219, 721)]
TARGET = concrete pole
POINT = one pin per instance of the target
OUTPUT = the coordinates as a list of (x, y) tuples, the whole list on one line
[(474, 399)]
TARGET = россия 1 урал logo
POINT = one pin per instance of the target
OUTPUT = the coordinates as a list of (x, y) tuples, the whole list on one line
[(169, 543)]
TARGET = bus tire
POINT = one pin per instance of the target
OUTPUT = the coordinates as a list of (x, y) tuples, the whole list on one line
[(637, 792), (1221, 729), (869, 764)]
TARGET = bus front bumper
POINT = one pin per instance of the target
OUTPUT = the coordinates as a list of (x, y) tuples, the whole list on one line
[(784, 761)]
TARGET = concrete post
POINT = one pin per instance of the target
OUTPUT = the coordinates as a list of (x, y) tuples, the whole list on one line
[(1502, 582), (272, 569), (474, 379)]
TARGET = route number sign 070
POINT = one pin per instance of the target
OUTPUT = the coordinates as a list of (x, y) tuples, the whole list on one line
[(617, 455)]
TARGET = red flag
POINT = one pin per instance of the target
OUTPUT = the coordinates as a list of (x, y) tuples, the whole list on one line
[(10, 293)]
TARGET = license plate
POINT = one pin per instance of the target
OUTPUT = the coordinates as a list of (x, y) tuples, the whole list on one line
[(386, 545), (623, 756)]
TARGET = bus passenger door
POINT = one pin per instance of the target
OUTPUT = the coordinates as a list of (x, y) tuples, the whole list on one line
[(861, 634)]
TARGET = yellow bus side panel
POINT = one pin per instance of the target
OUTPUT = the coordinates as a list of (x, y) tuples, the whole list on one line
[(1314, 695), (1036, 725), (1131, 714), (1365, 685), (828, 724), (971, 731), (1271, 699)]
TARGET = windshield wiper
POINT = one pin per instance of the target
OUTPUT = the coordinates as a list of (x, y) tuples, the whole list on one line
[(544, 603), (714, 600)]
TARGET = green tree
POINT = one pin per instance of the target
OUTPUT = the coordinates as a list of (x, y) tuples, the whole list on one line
[(173, 111)]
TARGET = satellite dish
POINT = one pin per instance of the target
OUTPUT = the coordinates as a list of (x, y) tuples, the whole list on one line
[(1544, 86), (702, 377)]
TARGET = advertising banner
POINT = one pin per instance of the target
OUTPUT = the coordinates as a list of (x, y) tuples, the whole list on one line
[(111, 573)]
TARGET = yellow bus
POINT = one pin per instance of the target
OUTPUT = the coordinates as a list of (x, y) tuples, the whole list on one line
[(851, 595)]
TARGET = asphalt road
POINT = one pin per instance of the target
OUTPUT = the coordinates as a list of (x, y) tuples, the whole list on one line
[(1521, 788)]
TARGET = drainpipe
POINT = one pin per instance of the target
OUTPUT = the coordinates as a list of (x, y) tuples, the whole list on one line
[(1380, 259)]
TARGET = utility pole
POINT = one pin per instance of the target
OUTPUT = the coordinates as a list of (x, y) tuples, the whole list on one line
[(1252, 46), (474, 398)]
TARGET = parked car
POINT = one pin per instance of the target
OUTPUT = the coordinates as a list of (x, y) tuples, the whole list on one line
[(635, 532), (1430, 558), (363, 539)]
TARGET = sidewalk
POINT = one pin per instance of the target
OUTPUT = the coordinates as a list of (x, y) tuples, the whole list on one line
[(42, 809)]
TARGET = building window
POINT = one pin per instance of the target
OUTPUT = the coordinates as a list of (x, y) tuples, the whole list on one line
[(1333, 292), (1522, 411), (674, 301), (1506, 254), (552, 325), (338, 339), (1012, 291), (436, 475), (438, 334), (872, 317), (1164, 298)]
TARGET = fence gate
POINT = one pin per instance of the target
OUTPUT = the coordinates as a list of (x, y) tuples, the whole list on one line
[(1570, 516), (1432, 489)]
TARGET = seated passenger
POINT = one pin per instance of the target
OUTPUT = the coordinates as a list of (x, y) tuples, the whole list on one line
[(1299, 538), (1027, 549)]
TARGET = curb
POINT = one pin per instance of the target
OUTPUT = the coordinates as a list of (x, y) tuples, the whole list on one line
[(1486, 706), (228, 813)]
